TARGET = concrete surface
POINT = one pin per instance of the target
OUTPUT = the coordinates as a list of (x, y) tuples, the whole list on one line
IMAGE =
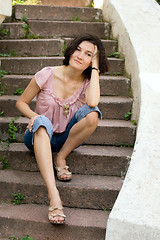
[(136, 213)]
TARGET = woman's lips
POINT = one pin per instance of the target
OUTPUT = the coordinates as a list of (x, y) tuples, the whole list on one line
[(77, 61)]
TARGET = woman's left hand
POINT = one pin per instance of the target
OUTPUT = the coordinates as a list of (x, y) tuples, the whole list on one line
[(95, 58)]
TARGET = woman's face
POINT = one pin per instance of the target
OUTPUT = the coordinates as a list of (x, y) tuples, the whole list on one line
[(82, 57)]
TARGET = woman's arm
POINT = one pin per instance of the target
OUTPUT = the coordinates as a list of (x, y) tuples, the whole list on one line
[(93, 91), (23, 102)]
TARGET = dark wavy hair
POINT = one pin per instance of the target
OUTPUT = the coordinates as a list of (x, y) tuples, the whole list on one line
[(103, 61)]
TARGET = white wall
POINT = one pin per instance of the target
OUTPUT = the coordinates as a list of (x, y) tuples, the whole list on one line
[(136, 213), (5, 9)]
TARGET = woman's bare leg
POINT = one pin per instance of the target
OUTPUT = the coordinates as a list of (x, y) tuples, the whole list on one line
[(43, 156), (77, 135)]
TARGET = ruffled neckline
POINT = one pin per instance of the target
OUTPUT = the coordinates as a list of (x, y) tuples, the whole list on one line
[(73, 98)]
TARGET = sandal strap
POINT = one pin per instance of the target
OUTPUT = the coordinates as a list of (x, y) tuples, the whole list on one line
[(61, 171), (54, 208), (62, 168), (57, 215)]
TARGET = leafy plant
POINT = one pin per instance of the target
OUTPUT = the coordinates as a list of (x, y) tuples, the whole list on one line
[(115, 54), (127, 116), (134, 122), (18, 91), (2, 73), (18, 197), (117, 144), (104, 209), (4, 163), (91, 4), (116, 73), (3, 32), (27, 238), (14, 2), (64, 48), (1, 114), (11, 54), (75, 18), (12, 237), (27, 30), (12, 129)]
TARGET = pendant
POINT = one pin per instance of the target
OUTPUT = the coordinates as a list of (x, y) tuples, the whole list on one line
[(66, 109)]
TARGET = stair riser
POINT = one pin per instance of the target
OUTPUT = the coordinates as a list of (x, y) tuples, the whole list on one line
[(57, 13), (48, 47), (71, 196), (50, 29), (32, 65), (68, 29), (109, 110), (79, 163), (110, 87), (43, 231), (41, 47), (103, 135)]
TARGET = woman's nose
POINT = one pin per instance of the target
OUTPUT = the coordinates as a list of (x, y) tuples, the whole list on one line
[(80, 55)]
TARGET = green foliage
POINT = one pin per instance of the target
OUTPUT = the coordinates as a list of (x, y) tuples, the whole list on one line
[(2, 73), (91, 4), (14, 2), (27, 30), (127, 116), (18, 197), (116, 73), (104, 209), (118, 144), (115, 55), (134, 122), (27, 238), (4, 163), (64, 48), (75, 18), (3, 32), (1, 114), (11, 54), (18, 91), (158, 1), (12, 129), (12, 237)]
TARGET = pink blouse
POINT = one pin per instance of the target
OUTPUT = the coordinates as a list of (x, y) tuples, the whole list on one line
[(53, 107)]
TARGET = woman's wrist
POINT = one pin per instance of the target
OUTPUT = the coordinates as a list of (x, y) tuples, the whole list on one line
[(96, 69)]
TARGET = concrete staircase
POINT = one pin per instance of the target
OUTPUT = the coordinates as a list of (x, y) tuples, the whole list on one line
[(99, 166)]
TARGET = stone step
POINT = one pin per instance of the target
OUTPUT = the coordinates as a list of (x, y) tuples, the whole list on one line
[(30, 65), (55, 29), (87, 159), (97, 191), (38, 12), (30, 219), (111, 107), (44, 47), (110, 85), (108, 132)]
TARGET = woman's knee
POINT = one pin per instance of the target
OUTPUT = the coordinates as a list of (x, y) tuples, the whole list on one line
[(41, 132), (92, 119)]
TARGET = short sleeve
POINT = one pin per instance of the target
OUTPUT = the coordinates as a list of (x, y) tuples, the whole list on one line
[(42, 76)]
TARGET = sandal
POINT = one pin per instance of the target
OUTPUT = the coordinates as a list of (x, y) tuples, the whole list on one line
[(51, 209), (61, 171)]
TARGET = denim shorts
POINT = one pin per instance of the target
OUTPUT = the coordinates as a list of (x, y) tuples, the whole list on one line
[(57, 139)]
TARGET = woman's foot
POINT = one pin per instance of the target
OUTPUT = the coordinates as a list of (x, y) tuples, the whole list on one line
[(56, 215), (55, 212), (62, 170)]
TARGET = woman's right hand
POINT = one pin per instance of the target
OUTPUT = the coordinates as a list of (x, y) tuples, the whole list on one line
[(30, 124)]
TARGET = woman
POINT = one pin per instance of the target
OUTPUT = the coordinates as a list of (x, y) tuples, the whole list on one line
[(66, 111)]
